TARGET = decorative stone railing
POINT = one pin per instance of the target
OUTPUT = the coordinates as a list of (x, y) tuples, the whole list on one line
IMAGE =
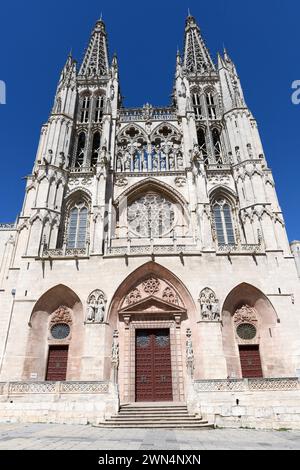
[(82, 169), (147, 113), (240, 248), (150, 247), (7, 226), (65, 252), (244, 385), (23, 388)]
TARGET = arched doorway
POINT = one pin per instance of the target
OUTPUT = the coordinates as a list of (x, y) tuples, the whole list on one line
[(251, 335), (152, 310), (56, 335)]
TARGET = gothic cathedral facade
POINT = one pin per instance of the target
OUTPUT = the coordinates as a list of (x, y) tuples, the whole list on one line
[(150, 261)]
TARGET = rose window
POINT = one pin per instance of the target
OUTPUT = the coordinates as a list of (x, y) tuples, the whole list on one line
[(152, 215), (60, 331), (246, 331)]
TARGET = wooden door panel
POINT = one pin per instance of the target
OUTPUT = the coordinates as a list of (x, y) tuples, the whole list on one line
[(250, 361), (153, 365), (57, 363)]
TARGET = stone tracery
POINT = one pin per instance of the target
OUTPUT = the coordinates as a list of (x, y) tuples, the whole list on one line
[(136, 152)]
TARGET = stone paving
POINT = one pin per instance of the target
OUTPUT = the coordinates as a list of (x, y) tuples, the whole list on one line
[(61, 436)]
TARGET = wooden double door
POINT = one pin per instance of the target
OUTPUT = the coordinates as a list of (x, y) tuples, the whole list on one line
[(57, 363), (153, 373), (250, 361)]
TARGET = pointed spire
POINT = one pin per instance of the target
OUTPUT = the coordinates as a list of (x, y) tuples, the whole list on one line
[(196, 55), (68, 72), (178, 57), (95, 62)]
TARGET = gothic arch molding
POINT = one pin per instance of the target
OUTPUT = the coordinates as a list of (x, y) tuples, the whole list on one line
[(151, 184), (156, 308), (248, 298), (222, 191), (59, 304), (150, 268)]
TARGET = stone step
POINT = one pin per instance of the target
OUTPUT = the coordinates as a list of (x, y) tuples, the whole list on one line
[(152, 409), (153, 415), (202, 425), (155, 419)]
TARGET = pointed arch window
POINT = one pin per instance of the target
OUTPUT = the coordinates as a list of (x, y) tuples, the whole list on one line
[(223, 222), (202, 145), (197, 106), (99, 106), (77, 226), (85, 109), (96, 147), (80, 150), (211, 105), (217, 145)]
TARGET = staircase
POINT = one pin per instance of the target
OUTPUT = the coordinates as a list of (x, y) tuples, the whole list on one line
[(155, 415)]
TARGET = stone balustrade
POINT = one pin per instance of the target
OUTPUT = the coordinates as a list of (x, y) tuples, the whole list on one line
[(76, 387), (146, 113), (244, 385), (64, 252)]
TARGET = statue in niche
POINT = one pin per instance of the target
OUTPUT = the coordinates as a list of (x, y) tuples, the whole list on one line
[(96, 307), (103, 157), (115, 350), (250, 151), (171, 161), (48, 159), (61, 160), (179, 159), (238, 154), (209, 305), (189, 352)]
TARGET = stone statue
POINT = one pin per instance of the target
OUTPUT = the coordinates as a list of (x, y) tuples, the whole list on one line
[(115, 349), (48, 159), (250, 151), (205, 311), (189, 352), (61, 160), (96, 307), (91, 314), (100, 313), (209, 305), (238, 154), (215, 312)]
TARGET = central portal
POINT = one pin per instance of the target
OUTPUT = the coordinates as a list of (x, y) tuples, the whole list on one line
[(153, 375)]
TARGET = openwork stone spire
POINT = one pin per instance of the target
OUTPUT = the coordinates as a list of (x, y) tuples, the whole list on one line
[(196, 55), (95, 62)]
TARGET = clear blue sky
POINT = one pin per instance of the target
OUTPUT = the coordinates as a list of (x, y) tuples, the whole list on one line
[(262, 37)]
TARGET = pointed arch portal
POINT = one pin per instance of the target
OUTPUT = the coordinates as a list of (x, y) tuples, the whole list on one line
[(150, 310)]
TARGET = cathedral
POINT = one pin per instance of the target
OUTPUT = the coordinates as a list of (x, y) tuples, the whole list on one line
[(150, 262)]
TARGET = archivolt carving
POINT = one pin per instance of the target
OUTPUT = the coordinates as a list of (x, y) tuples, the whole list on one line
[(245, 314), (61, 315)]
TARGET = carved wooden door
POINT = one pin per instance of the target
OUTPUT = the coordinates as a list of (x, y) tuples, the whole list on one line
[(153, 365), (57, 363), (250, 361)]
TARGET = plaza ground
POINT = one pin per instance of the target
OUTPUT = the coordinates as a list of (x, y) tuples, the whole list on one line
[(19, 436)]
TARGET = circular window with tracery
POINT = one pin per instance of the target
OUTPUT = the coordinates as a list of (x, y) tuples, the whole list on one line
[(151, 215), (60, 331), (246, 331)]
